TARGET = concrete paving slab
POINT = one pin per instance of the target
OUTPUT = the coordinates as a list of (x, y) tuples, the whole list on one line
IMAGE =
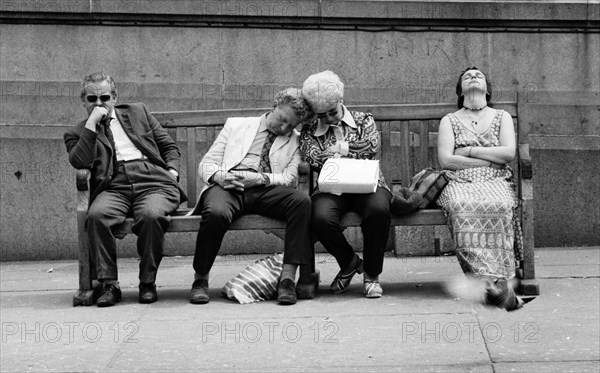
[(551, 367), (561, 325), (350, 343), (78, 356), (560, 271), (559, 263), (568, 256), (414, 327), (349, 304)]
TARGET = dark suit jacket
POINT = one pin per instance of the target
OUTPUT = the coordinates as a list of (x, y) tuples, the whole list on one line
[(92, 150)]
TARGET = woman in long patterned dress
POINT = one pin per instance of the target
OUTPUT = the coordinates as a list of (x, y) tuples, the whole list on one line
[(475, 145)]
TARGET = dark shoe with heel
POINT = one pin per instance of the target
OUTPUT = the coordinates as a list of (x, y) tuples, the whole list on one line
[(343, 278), (147, 293), (286, 292), (199, 294), (111, 295)]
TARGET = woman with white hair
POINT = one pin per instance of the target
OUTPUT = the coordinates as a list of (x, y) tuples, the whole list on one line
[(338, 132)]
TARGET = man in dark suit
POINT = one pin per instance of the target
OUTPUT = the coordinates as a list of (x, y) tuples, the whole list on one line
[(133, 163)]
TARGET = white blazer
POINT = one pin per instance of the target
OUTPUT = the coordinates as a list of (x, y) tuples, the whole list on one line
[(233, 143)]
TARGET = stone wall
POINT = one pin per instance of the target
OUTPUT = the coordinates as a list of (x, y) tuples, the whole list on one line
[(186, 55)]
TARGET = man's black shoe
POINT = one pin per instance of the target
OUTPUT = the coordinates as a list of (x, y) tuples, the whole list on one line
[(286, 292), (111, 294), (199, 294), (147, 293)]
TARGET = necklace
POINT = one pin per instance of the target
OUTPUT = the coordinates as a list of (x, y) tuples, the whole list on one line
[(475, 109), (475, 121)]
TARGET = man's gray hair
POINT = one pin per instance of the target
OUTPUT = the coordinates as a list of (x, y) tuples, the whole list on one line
[(323, 88), (97, 78)]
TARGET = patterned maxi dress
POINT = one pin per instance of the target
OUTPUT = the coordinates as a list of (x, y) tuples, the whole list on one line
[(480, 204)]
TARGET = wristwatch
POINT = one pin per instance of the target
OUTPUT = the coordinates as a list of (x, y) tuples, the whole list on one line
[(266, 179)]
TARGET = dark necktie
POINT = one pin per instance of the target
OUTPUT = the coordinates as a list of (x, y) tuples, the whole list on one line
[(105, 125), (265, 164)]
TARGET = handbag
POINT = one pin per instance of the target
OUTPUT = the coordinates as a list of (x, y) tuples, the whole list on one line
[(349, 175), (428, 183), (404, 201), (256, 282)]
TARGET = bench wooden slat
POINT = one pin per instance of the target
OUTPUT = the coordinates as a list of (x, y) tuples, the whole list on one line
[(387, 149), (420, 111), (207, 118), (423, 145), (405, 174), (181, 223), (421, 217), (391, 168), (192, 223), (204, 118), (191, 166)]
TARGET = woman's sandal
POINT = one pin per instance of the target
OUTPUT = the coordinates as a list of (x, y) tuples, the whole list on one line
[(342, 280)]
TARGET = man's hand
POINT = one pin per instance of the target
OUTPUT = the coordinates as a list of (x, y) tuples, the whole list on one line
[(97, 115), (250, 178), (228, 181), (335, 148), (174, 173)]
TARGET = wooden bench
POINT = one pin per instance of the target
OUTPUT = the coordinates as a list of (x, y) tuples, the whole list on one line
[(408, 145)]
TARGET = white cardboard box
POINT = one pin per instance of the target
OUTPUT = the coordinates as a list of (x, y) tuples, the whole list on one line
[(347, 175)]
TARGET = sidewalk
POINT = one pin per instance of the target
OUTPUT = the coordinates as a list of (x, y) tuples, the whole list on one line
[(415, 327)]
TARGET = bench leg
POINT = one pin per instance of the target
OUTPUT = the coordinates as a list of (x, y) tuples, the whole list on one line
[(529, 284), (529, 287), (307, 289), (308, 282), (87, 293)]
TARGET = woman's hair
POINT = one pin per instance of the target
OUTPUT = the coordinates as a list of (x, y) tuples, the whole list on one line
[(293, 98), (98, 78), (488, 93), (323, 88)]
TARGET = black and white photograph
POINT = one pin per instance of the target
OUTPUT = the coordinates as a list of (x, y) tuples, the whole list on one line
[(300, 186)]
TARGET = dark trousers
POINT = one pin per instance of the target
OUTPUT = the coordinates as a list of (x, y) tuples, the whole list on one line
[(374, 209), (147, 192), (219, 208)]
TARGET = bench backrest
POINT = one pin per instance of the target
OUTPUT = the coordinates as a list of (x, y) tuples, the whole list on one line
[(408, 136)]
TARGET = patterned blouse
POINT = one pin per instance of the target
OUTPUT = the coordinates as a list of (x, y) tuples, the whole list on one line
[(358, 129)]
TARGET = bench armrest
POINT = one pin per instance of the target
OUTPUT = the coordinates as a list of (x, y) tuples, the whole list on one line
[(83, 189), (525, 167), (525, 188), (87, 270)]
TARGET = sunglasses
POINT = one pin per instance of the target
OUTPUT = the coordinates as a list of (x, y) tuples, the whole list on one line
[(330, 113), (103, 98)]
